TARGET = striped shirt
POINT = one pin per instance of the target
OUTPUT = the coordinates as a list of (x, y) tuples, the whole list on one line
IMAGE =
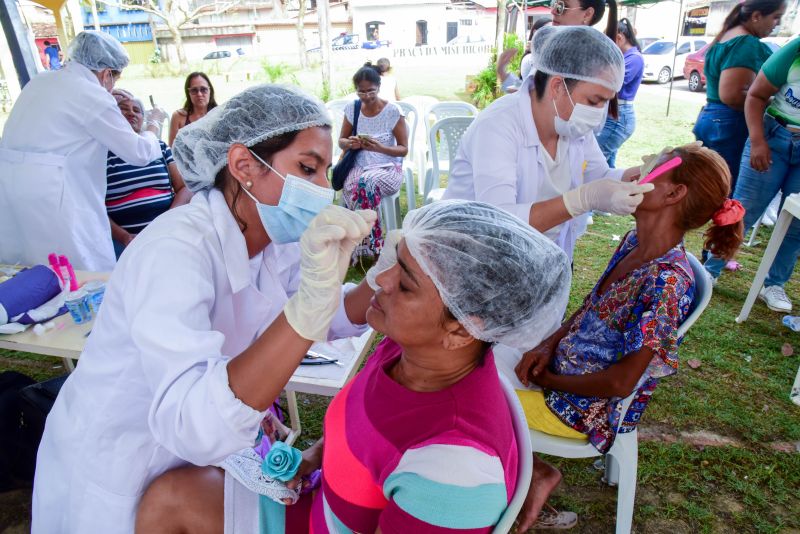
[(406, 461), (137, 195)]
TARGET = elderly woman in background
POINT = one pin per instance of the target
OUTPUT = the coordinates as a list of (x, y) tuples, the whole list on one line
[(199, 101), (460, 277), (138, 194), (382, 142)]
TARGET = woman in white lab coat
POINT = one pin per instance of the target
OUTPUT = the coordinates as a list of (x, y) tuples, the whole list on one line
[(534, 153), (208, 313), (53, 158)]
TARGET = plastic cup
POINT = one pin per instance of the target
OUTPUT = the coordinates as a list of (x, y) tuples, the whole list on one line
[(77, 303), (95, 290)]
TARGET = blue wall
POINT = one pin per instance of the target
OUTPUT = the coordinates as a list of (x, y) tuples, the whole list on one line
[(125, 25)]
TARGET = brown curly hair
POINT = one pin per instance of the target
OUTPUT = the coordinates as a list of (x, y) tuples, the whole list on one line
[(708, 180)]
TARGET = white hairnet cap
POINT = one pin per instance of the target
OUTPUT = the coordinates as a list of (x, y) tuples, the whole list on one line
[(501, 279), (254, 115), (578, 52), (97, 50)]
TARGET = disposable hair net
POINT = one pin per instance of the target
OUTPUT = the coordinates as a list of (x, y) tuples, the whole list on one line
[(254, 115), (97, 50), (501, 279), (578, 52)]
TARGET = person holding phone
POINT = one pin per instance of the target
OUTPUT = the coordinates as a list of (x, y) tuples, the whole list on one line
[(382, 141)]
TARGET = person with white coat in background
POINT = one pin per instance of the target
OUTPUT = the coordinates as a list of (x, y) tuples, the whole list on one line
[(53, 158), (534, 152), (208, 313)]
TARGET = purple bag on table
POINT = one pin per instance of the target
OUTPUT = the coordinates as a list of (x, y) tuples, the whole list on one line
[(29, 289)]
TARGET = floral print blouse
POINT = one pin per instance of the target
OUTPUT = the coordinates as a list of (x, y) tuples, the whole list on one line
[(642, 309)]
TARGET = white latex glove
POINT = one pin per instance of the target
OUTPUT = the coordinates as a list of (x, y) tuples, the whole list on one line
[(155, 115), (154, 120), (325, 250), (387, 259), (612, 196)]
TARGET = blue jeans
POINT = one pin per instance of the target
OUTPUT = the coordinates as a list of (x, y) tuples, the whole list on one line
[(756, 190), (616, 132), (723, 130)]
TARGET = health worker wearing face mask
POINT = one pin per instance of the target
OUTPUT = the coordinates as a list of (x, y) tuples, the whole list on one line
[(53, 158), (208, 313), (534, 152)]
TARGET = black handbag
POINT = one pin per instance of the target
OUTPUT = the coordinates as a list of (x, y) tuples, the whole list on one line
[(348, 157)]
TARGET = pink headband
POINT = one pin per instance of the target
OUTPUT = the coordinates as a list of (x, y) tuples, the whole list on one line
[(731, 212)]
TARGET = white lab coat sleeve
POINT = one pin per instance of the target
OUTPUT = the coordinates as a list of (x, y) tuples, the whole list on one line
[(596, 164), (341, 326), (493, 153), (111, 129), (168, 303)]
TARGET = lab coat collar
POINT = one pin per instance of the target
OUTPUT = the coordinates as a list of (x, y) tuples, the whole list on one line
[(234, 247), (526, 112)]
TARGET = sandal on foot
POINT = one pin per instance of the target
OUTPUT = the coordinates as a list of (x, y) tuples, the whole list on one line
[(552, 519)]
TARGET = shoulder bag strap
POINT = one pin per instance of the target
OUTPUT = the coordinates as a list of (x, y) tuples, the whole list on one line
[(356, 113)]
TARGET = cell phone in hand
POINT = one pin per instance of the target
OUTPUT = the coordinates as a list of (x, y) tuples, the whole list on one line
[(152, 102), (364, 137)]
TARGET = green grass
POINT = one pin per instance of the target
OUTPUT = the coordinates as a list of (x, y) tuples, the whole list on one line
[(740, 390)]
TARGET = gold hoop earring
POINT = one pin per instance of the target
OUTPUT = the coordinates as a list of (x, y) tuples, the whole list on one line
[(248, 184)]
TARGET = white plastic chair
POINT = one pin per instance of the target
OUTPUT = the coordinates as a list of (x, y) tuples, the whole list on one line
[(445, 136), (412, 119), (455, 108), (423, 105), (622, 459), (336, 109), (525, 464)]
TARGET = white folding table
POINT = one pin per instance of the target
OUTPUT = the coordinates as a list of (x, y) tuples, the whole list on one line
[(789, 212)]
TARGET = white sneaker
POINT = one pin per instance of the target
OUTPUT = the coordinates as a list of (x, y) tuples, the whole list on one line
[(775, 298)]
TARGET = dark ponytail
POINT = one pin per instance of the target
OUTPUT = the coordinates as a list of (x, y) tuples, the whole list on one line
[(626, 29), (599, 7), (742, 12)]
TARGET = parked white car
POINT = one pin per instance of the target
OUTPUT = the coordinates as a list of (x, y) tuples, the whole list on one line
[(658, 57)]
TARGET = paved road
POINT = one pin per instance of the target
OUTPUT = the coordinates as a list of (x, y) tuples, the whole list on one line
[(680, 91)]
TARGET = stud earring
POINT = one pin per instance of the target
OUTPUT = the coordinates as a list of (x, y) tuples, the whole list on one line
[(248, 184)]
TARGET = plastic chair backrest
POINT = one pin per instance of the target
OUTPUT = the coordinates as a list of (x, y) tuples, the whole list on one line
[(446, 135), (442, 110), (412, 118), (702, 294), (525, 464), (337, 118)]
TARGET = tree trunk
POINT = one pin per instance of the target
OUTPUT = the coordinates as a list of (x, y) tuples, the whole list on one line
[(178, 40), (301, 36), (95, 18), (325, 48), (500, 30)]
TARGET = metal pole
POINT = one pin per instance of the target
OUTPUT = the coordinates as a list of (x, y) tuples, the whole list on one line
[(674, 56), (16, 34)]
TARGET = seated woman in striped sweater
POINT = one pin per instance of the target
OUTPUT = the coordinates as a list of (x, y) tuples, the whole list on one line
[(421, 440), (137, 195)]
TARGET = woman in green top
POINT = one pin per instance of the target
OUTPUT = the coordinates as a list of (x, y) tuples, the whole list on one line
[(732, 62), (771, 162)]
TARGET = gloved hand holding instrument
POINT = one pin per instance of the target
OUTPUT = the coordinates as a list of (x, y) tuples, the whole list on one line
[(326, 247)]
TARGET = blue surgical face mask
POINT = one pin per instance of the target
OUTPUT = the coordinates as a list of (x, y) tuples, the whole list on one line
[(300, 202)]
